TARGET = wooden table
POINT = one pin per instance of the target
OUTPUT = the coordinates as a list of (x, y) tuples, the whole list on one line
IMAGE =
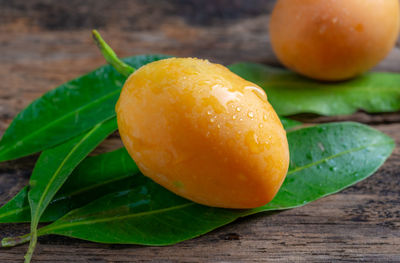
[(44, 44)]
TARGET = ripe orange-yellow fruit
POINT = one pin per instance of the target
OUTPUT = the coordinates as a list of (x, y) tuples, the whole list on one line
[(203, 132), (333, 39)]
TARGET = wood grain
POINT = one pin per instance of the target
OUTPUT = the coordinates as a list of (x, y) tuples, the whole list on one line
[(45, 43)]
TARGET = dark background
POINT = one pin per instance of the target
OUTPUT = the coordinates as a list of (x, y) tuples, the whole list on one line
[(45, 43)]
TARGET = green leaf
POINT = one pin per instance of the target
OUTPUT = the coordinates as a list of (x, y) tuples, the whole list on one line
[(17, 210), (324, 159), (327, 158), (66, 111), (55, 165), (291, 94), (148, 215), (289, 124), (94, 177)]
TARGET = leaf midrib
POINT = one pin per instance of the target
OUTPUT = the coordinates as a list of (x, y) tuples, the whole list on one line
[(10, 212), (101, 220), (44, 193), (337, 155), (53, 123)]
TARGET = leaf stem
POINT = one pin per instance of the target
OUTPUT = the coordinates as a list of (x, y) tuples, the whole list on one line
[(19, 240), (110, 55), (15, 241), (32, 242)]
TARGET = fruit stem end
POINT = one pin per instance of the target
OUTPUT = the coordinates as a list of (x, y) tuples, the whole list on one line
[(110, 55)]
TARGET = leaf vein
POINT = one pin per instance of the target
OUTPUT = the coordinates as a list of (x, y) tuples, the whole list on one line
[(60, 119), (336, 155), (101, 220), (76, 146)]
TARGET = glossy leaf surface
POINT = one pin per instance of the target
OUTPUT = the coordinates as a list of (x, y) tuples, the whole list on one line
[(53, 168), (66, 111), (324, 159), (95, 177), (292, 94), (327, 158), (55, 165)]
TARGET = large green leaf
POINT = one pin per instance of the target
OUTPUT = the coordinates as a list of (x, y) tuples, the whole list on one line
[(95, 177), (148, 214), (327, 158), (291, 94), (66, 111), (55, 165), (324, 159)]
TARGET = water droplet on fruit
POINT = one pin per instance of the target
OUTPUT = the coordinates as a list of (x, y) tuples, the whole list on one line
[(238, 109), (252, 142), (258, 91), (223, 95), (250, 114)]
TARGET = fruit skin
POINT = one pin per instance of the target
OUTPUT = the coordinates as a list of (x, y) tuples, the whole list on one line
[(333, 39), (203, 132)]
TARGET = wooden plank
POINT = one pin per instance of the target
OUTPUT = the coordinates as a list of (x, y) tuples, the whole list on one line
[(44, 44)]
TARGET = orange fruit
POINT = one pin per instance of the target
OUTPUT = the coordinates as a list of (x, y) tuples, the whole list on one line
[(333, 39), (203, 132)]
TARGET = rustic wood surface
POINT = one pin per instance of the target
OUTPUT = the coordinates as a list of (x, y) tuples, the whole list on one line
[(45, 43)]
